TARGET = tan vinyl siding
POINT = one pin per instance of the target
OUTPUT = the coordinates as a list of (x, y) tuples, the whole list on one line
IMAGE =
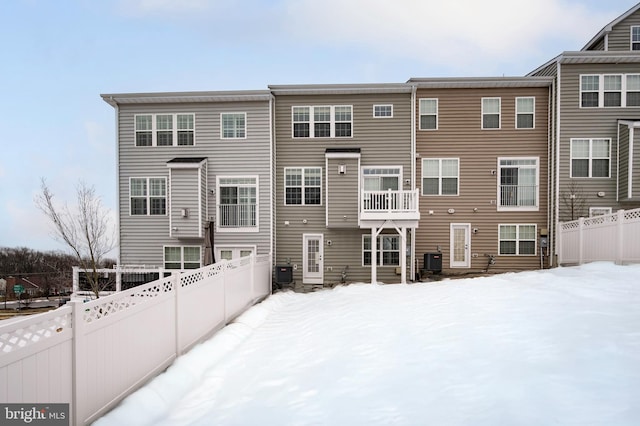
[(142, 237), (383, 142), (620, 37), (589, 123), (623, 168), (459, 135), (342, 190)]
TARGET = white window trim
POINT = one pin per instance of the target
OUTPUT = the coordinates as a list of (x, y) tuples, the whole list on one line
[(591, 158), (604, 211), (182, 268), (248, 229), (235, 249), (311, 122), (601, 91), (439, 194), (535, 208), (398, 175), (631, 41), (518, 225), (534, 113), (380, 116), (148, 196), (379, 250), (235, 130), (154, 129), (304, 169), (483, 113), (420, 114)]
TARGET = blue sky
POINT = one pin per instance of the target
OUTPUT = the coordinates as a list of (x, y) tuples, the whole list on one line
[(58, 56)]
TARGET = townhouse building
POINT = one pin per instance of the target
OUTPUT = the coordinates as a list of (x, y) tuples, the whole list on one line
[(482, 151), (595, 150), (345, 195), (194, 177)]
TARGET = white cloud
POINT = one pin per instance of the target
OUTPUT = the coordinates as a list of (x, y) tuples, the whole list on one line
[(461, 33)]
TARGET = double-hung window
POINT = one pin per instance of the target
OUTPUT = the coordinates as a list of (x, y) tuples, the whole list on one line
[(633, 89), (387, 253), (609, 90), (164, 129), (237, 204), (440, 176), (518, 240), (303, 186), (323, 121), (635, 38), (233, 125), (491, 113), (518, 188), (428, 110), (590, 158), (612, 90), (383, 111), (525, 112), (148, 196), (182, 257), (589, 91)]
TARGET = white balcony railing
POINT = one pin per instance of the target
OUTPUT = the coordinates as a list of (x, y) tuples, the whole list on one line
[(392, 204), (237, 215)]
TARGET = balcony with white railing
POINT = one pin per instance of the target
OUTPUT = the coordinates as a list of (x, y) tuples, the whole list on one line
[(234, 216), (389, 205), (518, 196)]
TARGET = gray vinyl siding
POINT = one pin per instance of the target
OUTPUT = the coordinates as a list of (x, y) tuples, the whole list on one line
[(342, 202), (184, 188), (620, 36), (383, 142), (142, 237), (623, 169), (459, 135), (599, 45), (577, 122)]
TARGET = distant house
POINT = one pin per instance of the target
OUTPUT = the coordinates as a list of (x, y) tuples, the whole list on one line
[(32, 285), (595, 146), (194, 176)]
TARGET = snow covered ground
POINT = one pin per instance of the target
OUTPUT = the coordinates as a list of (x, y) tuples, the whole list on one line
[(535, 348)]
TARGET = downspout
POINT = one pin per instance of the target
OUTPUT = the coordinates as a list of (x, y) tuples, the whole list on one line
[(557, 158), (117, 127), (272, 172), (412, 231), (550, 163)]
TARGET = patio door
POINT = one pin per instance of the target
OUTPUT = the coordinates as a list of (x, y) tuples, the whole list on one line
[(312, 259), (460, 245)]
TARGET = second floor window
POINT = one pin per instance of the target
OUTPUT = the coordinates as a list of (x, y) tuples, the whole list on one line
[(303, 186), (326, 121), (635, 38), (490, 113), (525, 113), (383, 111), (238, 203), (428, 110), (164, 129), (518, 179), (233, 125), (148, 196), (609, 90), (440, 176), (590, 158)]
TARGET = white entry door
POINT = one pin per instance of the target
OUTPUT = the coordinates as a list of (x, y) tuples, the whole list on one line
[(460, 245), (312, 259)]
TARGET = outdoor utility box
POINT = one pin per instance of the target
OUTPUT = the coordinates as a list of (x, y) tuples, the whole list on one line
[(284, 274), (433, 262)]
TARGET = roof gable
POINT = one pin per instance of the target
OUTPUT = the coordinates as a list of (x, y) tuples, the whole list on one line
[(598, 38)]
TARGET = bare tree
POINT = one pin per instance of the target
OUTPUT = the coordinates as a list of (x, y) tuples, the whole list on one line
[(573, 200), (86, 230)]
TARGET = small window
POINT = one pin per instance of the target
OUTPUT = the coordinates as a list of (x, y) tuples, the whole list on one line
[(301, 122), (387, 253), (612, 90), (599, 211), (440, 176), (428, 114), (525, 112), (164, 127), (144, 130), (383, 111), (517, 240), (182, 257), (343, 121), (148, 196), (589, 91), (185, 129), (233, 125), (635, 38), (590, 158), (322, 122), (490, 113)]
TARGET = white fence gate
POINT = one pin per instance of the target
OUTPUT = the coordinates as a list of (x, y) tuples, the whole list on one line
[(614, 237), (94, 354)]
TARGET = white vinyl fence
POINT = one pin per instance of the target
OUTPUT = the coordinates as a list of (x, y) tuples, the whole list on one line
[(94, 354), (614, 237)]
